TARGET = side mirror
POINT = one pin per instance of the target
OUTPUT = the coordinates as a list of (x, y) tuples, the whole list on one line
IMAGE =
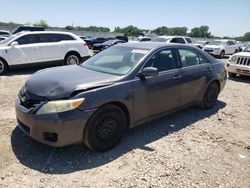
[(149, 71), (14, 44)]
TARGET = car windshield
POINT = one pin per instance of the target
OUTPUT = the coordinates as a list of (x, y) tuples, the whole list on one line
[(216, 42), (160, 39), (247, 49), (117, 60), (7, 39)]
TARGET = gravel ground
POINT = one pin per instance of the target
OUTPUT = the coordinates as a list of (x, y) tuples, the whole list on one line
[(191, 148)]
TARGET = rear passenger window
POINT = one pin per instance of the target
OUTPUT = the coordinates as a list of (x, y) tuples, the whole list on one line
[(50, 37), (66, 37), (188, 58), (28, 39), (188, 40), (163, 60), (178, 40)]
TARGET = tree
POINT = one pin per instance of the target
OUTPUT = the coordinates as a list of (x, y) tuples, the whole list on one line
[(69, 27), (247, 36), (42, 23), (129, 30), (202, 31)]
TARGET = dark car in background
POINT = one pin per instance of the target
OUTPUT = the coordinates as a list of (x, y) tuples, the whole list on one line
[(27, 28), (89, 40), (119, 88), (102, 46)]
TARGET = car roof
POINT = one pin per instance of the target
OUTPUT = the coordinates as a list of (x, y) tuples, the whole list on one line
[(152, 45), (44, 32)]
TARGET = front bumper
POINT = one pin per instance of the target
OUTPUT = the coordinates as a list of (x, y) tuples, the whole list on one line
[(57, 129), (213, 52), (238, 69)]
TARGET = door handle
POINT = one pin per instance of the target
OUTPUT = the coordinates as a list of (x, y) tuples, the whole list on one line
[(176, 77)]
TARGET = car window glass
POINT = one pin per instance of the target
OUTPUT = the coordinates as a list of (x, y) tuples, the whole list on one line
[(66, 37), (202, 60), (50, 38), (28, 39), (188, 40), (188, 58), (180, 40), (163, 60)]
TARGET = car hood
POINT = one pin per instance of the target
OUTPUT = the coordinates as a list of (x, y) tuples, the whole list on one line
[(213, 46), (61, 82), (245, 54)]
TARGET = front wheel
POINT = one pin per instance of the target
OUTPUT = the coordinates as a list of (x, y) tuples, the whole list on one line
[(210, 96), (231, 75), (105, 128), (3, 66), (72, 59)]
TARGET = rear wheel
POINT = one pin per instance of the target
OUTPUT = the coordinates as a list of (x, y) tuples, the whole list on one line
[(3, 66), (105, 128), (232, 75), (210, 96), (72, 59)]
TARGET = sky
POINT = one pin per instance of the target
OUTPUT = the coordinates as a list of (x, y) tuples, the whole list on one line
[(224, 17)]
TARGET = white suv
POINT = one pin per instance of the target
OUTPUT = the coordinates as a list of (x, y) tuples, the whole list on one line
[(222, 47), (42, 47), (173, 39)]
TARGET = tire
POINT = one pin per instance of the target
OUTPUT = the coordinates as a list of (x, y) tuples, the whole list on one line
[(222, 54), (231, 75), (210, 96), (3, 66), (235, 51), (105, 128), (72, 59)]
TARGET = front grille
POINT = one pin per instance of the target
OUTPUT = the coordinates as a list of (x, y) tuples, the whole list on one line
[(243, 61), (29, 100), (24, 127), (207, 50)]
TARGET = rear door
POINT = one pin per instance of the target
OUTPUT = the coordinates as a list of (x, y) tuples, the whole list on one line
[(27, 51), (52, 49), (196, 72), (155, 95)]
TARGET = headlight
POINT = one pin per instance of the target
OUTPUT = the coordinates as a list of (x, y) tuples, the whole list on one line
[(60, 106), (233, 59)]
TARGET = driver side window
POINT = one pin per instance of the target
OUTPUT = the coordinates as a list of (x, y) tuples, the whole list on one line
[(163, 60)]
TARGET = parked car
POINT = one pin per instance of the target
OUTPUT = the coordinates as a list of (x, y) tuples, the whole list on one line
[(201, 44), (239, 63), (173, 39), (221, 48), (102, 46), (36, 48), (4, 33), (88, 40), (124, 38), (27, 28), (119, 88)]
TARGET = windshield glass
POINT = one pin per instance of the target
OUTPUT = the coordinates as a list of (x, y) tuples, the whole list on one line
[(7, 39), (217, 42), (160, 39), (116, 60), (247, 49)]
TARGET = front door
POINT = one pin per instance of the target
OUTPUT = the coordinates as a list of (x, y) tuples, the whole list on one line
[(155, 95), (27, 51)]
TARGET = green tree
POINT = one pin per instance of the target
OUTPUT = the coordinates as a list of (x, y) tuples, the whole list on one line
[(202, 31), (129, 30), (69, 27), (247, 36)]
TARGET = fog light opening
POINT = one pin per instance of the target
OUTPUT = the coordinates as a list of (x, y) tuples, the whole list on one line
[(51, 137)]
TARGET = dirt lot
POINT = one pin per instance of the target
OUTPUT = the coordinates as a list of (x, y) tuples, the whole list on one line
[(191, 148)]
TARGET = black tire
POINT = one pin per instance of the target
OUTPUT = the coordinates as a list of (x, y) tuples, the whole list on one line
[(210, 96), (222, 54), (3, 66), (235, 51), (232, 75), (105, 128), (72, 58)]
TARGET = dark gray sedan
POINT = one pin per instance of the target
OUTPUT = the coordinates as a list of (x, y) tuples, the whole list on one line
[(119, 88)]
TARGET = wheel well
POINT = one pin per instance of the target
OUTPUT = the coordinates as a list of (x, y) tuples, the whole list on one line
[(124, 109), (72, 52), (4, 61), (217, 82)]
